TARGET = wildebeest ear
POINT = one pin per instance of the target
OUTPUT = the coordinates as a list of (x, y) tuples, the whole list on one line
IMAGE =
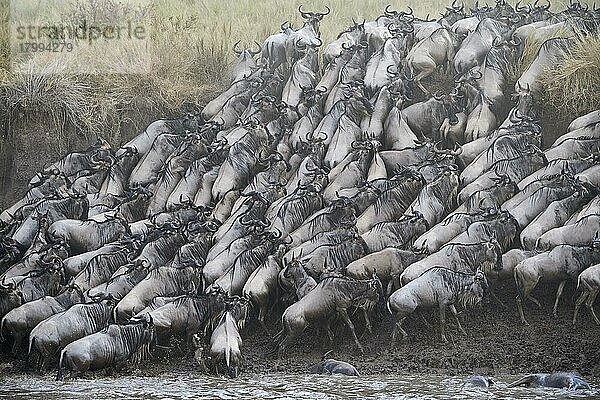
[(479, 274), (148, 320)]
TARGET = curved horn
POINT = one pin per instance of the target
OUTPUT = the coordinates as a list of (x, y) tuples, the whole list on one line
[(235, 48), (457, 150), (389, 12), (304, 14), (438, 96), (389, 67), (515, 41), (257, 51)]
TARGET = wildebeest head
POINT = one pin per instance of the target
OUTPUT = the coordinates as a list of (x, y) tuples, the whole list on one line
[(239, 308), (503, 10), (402, 87), (313, 18), (357, 103), (480, 288), (454, 13), (525, 100), (10, 296), (370, 294), (453, 103)]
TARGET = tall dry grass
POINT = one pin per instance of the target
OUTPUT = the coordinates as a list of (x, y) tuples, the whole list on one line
[(190, 59), (572, 88)]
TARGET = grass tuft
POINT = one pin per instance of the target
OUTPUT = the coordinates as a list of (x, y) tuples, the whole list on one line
[(572, 88)]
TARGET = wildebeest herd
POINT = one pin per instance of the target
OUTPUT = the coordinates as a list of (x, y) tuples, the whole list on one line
[(317, 189)]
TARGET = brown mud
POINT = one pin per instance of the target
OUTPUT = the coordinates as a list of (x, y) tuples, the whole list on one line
[(496, 344)]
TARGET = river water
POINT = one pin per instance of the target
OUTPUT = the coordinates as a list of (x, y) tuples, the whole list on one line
[(272, 386)]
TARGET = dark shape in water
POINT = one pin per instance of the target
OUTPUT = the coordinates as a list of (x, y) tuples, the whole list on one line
[(330, 366), (568, 380), (479, 381)]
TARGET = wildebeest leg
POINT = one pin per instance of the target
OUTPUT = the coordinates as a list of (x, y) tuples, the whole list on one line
[(287, 340), (443, 322), (493, 294), (261, 317), (520, 309), (350, 325), (582, 297), (398, 327), (329, 333), (561, 287), (368, 326), (590, 305), (422, 75), (420, 312), (535, 301), (455, 313), (16, 343)]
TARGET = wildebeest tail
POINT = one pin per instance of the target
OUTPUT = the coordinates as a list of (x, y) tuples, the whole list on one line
[(2, 330), (31, 339), (577, 289), (519, 285), (59, 375)]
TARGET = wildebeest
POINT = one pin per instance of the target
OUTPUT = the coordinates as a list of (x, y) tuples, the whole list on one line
[(438, 287), (566, 380), (332, 296), (461, 257), (111, 346), (425, 56), (225, 347), (54, 333), (162, 281), (562, 263), (184, 316), (479, 381), (588, 282), (261, 287), (387, 264), (18, 322), (330, 366), (23, 289)]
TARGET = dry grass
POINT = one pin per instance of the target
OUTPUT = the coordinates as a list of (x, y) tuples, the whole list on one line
[(191, 56), (572, 88)]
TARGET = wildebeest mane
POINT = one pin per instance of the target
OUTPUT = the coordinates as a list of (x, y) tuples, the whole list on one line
[(509, 146), (242, 155), (297, 208), (396, 199), (107, 263)]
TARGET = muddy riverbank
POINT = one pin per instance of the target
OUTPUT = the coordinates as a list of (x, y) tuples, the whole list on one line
[(496, 344)]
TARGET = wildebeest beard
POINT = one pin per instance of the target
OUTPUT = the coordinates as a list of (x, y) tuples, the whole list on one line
[(467, 298), (137, 339)]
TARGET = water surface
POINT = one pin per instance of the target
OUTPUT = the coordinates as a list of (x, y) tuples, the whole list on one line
[(272, 386)]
